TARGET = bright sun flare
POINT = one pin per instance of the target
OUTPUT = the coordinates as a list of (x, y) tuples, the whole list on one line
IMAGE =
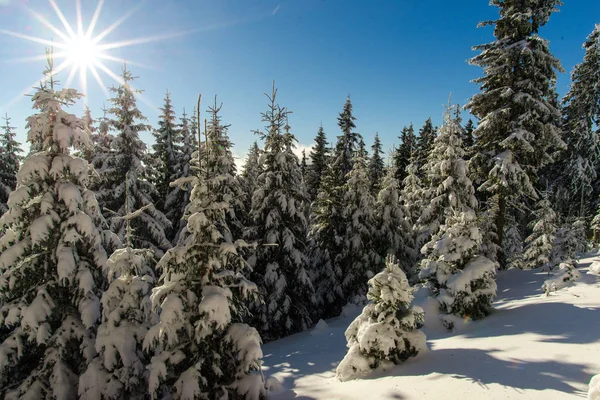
[(82, 52)]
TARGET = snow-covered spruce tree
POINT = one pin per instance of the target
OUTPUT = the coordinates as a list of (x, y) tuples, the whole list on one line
[(402, 155), (447, 181), (519, 125), (512, 246), (166, 149), (459, 277), (468, 138), (88, 124), (123, 171), (249, 178), (581, 115), (179, 195), (280, 229), (328, 223), (538, 246), (319, 160), (51, 258), (411, 198), (201, 347), (376, 166), (119, 370), (487, 227), (424, 144), (387, 332), (10, 161), (102, 139), (393, 232), (570, 241), (303, 165)]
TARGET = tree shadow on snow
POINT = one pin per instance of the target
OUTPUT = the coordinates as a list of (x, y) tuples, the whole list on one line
[(482, 368)]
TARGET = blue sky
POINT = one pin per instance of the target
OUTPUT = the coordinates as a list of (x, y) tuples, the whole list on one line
[(397, 59)]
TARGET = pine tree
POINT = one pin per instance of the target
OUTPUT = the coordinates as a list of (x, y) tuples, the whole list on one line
[(347, 143), (519, 122), (102, 141), (252, 169), (10, 161), (376, 166), (303, 166), (119, 370), (319, 160), (280, 230), (123, 171), (539, 244), (88, 153), (179, 194), (581, 124), (424, 144), (402, 155), (166, 148), (569, 242), (459, 277), (513, 246), (469, 139), (487, 227), (387, 331), (51, 258), (201, 347), (411, 199), (393, 232)]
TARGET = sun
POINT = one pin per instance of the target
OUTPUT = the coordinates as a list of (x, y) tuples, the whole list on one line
[(82, 52)]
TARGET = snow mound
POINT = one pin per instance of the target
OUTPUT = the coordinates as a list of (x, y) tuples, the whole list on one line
[(273, 385), (566, 274), (595, 268), (320, 328), (594, 390)]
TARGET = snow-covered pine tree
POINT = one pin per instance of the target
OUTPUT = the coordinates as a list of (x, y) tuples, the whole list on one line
[(123, 171), (328, 223), (179, 195), (393, 232), (569, 242), (487, 227), (250, 172), (459, 277), (424, 144), (402, 155), (387, 332), (519, 125), (166, 148), (119, 370), (411, 198), (280, 230), (102, 140), (539, 244), (10, 160), (581, 115), (303, 165), (513, 246), (376, 166), (201, 347), (51, 258), (319, 160), (88, 122)]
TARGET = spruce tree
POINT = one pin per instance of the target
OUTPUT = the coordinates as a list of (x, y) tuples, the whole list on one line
[(424, 144), (387, 331), (251, 170), (201, 347), (519, 124), (280, 230), (123, 171), (102, 141), (539, 244), (347, 143), (88, 122), (376, 166), (319, 160), (459, 277), (581, 116), (10, 161), (165, 153), (303, 166), (469, 139), (412, 201), (402, 155), (179, 194), (513, 246), (51, 257)]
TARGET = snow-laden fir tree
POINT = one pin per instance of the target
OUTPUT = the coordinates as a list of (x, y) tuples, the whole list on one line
[(303, 165), (404, 152), (51, 258), (123, 171), (459, 277), (581, 115), (328, 223), (487, 227), (512, 246), (569, 242), (280, 229), (10, 160), (538, 245), (424, 144), (411, 198), (166, 149), (519, 124), (447, 181), (393, 234), (88, 153), (179, 195), (376, 166), (201, 347), (319, 160), (102, 140), (119, 370), (387, 332), (251, 170), (468, 138)]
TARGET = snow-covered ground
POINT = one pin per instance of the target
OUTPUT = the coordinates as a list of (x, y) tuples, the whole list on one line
[(531, 347)]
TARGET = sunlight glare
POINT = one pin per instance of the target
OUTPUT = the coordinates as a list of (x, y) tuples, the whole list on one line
[(81, 52)]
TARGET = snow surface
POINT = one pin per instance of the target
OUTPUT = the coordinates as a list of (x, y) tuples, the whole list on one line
[(531, 347)]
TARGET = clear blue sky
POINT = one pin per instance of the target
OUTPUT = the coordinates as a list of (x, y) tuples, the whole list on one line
[(398, 59)]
